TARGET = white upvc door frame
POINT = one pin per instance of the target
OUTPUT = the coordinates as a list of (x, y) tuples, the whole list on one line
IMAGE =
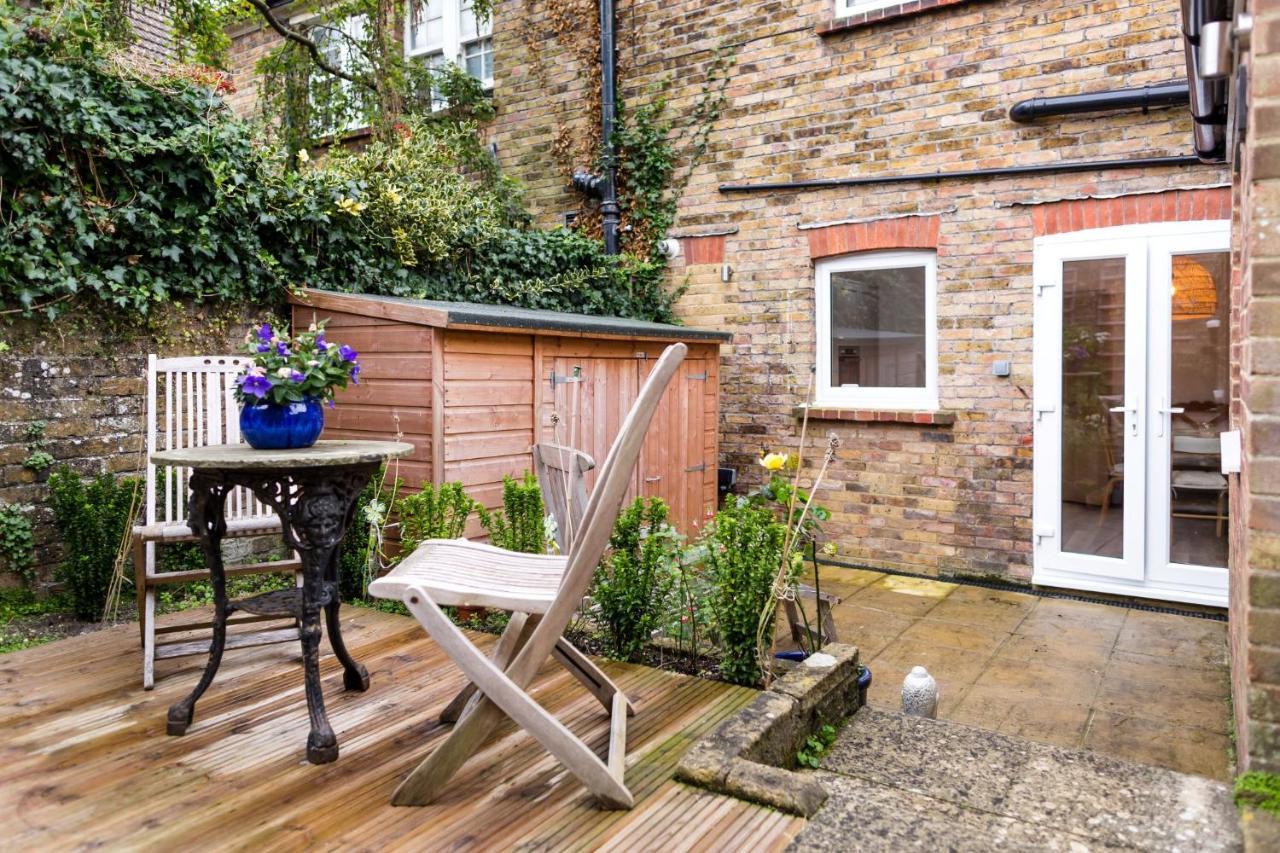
[(1145, 569), (1050, 557), (1161, 569)]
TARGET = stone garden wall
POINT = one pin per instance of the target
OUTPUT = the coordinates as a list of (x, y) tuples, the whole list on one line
[(82, 376)]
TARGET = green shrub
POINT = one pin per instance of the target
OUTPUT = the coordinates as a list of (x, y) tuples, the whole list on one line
[(357, 556), (434, 514), (17, 541), (744, 550), (633, 584), (521, 523), (92, 518)]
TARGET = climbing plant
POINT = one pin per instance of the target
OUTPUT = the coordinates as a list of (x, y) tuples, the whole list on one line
[(17, 541)]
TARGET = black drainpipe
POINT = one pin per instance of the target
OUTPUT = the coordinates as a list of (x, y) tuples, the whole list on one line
[(604, 187), (1146, 98)]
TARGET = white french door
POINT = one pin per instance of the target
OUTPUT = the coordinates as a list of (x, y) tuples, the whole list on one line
[(1131, 395)]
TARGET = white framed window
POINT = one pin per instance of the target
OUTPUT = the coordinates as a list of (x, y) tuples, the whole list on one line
[(442, 31), (343, 105), (848, 8), (877, 326)]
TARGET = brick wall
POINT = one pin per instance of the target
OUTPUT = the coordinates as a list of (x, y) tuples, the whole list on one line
[(908, 94), (1255, 540), (85, 380)]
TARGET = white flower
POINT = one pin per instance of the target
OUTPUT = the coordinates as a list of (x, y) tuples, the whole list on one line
[(313, 363), (303, 156), (284, 372)]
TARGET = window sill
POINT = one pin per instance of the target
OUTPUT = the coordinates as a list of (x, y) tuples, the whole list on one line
[(883, 416), (904, 9)]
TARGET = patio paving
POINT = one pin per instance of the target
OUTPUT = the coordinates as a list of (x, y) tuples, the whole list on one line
[(85, 762), (1147, 687), (904, 783)]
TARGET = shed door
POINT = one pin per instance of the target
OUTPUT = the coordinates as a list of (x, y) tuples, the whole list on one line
[(591, 386)]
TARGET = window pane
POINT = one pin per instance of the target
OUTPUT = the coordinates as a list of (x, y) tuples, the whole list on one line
[(427, 26), (1093, 478), (878, 336), (469, 27), (478, 59)]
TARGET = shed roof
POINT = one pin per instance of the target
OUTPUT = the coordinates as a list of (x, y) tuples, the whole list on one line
[(472, 315)]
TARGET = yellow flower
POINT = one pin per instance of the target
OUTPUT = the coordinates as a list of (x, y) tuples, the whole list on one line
[(393, 196), (351, 206), (773, 461), (303, 156)]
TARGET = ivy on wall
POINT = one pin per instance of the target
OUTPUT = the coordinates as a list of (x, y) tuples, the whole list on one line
[(132, 187)]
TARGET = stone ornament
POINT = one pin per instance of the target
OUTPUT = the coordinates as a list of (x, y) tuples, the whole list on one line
[(920, 694)]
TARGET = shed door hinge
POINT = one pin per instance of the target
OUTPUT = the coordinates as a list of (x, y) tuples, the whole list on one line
[(702, 377), (701, 466), (557, 379)]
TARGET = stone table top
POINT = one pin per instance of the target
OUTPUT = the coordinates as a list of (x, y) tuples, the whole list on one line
[(245, 458)]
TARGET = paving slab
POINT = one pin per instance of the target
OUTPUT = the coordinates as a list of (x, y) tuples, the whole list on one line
[(906, 783)]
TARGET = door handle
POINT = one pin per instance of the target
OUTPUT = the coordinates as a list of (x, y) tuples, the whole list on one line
[(1169, 411), (1132, 410), (653, 479)]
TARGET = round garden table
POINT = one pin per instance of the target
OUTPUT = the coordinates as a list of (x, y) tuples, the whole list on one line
[(314, 492)]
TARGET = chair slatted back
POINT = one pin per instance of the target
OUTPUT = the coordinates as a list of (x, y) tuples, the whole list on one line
[(561, 474), (191, 403), (587, 548)]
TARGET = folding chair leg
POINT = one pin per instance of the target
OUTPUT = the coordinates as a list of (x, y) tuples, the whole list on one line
[(502, 697), (512, 640), (140, 585), (148, 619), (585, 670)]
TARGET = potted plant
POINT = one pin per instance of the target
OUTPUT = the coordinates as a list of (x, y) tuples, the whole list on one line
[(281, 392)]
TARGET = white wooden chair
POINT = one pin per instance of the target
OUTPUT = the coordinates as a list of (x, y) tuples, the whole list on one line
[(541, 592), (190, 403), (561, 476), (1201, 480)]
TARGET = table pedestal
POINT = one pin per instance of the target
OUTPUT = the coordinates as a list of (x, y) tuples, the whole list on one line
[(315, 505)]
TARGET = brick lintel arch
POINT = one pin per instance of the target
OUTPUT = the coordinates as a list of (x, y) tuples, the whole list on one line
[(1060, 217), (902, 232)]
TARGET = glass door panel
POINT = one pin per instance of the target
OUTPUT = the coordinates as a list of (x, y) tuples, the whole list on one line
[(1093, 408), (1199, 389)]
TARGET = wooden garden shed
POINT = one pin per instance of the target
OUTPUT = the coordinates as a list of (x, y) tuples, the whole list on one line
[(474, 386)]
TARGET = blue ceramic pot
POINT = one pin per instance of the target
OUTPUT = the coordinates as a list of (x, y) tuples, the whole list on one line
[(271, 426)]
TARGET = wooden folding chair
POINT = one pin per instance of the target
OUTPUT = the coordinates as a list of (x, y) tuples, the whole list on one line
[(542, 593), (190, 403)]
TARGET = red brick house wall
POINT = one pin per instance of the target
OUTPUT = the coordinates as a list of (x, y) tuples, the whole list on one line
[(1255, 533), (919, 89)]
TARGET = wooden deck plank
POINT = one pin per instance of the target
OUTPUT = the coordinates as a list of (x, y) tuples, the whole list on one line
[(84, 760)]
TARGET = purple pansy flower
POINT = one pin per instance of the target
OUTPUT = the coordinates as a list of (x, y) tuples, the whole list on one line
[(321, 346), (296, 376), (266, 333), (282, 349), (347, 353), (255, 386), (355, 373), (264, 347)]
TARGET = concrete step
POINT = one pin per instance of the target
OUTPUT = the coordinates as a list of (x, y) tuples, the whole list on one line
[(905, 783)]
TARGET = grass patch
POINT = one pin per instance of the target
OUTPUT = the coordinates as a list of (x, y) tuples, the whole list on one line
[(1258, 790)]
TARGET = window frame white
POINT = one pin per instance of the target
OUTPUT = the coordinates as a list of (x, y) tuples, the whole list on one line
[(348, 30), (849, 8), (923, 399), (452, 46)]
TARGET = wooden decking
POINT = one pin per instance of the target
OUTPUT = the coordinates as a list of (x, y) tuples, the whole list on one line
[(85, 762)]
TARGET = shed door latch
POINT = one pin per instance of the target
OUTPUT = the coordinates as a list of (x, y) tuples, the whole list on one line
[(702, 377)]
